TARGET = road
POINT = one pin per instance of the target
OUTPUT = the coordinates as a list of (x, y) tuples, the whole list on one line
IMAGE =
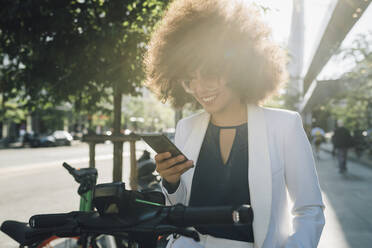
[(31, 157), (33, 181)]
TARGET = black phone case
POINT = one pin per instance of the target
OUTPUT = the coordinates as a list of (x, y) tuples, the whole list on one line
[(160, 143)]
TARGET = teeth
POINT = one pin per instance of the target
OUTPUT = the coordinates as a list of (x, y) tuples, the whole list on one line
[(208, 99)]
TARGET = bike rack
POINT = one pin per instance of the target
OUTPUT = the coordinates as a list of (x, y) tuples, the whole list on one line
[(92, 140)]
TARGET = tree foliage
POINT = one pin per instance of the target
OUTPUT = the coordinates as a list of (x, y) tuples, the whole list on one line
[(354, 104), (153, 114), (78, 51)]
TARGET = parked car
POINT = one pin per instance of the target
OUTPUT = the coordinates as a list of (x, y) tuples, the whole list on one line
[(77, 135), (57, 138), (27, 139), (7, 141)]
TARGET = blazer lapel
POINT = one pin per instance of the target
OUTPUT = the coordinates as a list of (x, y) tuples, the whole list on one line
[(193, 146), (259, 173)]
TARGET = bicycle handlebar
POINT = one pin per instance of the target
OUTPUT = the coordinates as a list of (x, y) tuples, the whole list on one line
[(160, 220), (68, 167), (54, 220), (86, 177), (178, 215), (81, 175), (137, 214), (194, 216)]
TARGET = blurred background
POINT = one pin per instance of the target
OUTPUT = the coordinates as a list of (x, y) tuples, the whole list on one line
[(72, 69)]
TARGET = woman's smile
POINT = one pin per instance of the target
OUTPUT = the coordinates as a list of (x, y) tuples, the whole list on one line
[(210, 99)]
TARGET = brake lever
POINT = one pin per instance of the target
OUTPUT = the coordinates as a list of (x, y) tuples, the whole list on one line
[(189, 233), (168, 229)]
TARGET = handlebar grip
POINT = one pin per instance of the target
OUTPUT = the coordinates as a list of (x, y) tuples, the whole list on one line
[(24, 234), (68, 167), (186, 216), (243, 214), (50, 220)]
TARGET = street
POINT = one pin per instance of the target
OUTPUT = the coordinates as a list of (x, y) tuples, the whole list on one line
[(33, 181), (31, 157)]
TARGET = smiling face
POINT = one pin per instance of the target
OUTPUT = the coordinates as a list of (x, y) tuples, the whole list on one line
[(213, 94), (218, 101)]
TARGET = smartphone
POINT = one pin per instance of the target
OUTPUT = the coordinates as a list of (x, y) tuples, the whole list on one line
[(160, 143)]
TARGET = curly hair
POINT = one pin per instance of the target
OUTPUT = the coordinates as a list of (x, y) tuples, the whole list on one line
[(219, 38)]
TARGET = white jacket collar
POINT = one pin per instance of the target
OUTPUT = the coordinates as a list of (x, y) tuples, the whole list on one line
[(259, 172)]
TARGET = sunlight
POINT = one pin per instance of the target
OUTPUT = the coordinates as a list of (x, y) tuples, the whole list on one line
[(278, 17), (333, 235)]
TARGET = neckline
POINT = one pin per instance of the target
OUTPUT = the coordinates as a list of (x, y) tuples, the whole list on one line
[(229, 127)]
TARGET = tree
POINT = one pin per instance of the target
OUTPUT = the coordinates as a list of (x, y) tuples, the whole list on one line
[(152, 114), (354, 104), (80, 51), (76, 51)]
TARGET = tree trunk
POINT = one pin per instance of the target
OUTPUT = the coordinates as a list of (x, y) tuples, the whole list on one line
[(118, 146), (4, 129)]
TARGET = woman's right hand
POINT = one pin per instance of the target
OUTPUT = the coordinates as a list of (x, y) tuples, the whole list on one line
[(166, 169)]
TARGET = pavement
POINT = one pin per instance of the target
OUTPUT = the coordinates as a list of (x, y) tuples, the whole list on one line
[(348, 200), (364, 159), (33, 181)]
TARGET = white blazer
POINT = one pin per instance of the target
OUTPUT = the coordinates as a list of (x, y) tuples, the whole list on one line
[(280, 160)]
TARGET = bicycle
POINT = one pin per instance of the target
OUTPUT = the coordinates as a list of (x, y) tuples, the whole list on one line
[(86, 178), (139, 217)]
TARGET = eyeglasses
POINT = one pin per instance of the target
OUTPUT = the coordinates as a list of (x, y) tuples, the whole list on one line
[(190, 85)]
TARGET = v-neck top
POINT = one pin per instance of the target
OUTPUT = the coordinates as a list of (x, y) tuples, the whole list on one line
[(218, 184)]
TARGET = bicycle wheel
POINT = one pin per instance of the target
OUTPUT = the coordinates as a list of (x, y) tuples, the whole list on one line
[(57, 242)]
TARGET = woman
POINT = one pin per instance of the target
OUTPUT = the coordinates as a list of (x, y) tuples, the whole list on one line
[(218, 54)]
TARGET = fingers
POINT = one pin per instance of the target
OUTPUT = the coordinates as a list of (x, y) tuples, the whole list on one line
[(186, 168), (162, 156), (171, 168), (163, 163), (178, 169)]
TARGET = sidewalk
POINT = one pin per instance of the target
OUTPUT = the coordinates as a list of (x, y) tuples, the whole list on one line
[(348, 200), (364, 159)]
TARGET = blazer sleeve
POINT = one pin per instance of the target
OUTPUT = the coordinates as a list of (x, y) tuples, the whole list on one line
[(178, 196), (303, 187)]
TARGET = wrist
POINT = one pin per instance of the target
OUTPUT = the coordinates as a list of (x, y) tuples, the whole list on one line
[(169, 186)]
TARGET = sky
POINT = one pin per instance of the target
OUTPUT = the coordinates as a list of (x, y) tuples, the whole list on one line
[(331, 70), (279, 19)]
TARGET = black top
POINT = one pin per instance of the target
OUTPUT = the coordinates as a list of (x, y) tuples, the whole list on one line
[(217, 184), (342, 138)]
